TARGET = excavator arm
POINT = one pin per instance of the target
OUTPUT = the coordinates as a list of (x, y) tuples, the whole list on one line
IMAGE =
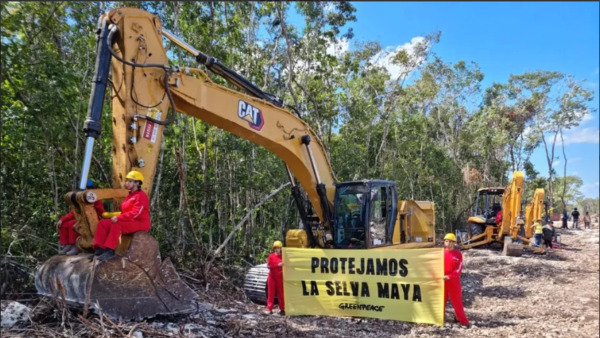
[(137, 283), (533, 211), (511, 205), (130, 43)]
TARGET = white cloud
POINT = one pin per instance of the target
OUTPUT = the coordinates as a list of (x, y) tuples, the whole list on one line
[(575, 159), (555, 163), (582, 135), (529, 132), (339, 48), (590, 190), (591, 84), (596, 72), (384, 58), (329, 8), (587, 118)]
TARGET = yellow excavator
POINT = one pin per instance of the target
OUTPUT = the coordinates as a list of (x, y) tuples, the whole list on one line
[(137, 283), (497, 217)]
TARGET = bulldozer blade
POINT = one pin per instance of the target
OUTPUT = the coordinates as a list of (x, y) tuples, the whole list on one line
[(133, 286)]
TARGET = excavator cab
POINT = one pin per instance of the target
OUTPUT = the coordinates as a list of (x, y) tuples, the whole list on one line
[(488, 203), (364, 214)]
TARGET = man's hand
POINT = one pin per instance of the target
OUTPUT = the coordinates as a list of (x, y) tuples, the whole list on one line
[(446, 277), (114, 219), (58, 224), (280, 264)]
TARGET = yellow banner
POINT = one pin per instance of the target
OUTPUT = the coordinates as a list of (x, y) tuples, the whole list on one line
[(405, 285)]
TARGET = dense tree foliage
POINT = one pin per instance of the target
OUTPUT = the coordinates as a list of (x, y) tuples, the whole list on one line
[(428, 125)]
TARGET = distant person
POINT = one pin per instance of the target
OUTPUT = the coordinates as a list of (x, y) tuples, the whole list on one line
[(453, 264), (587, 220), (549, 234), (538, 232), (66, 234), (575, 215), (275, 279), (565, 218)]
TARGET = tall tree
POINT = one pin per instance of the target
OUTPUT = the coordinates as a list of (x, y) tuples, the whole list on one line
[(559, 103)]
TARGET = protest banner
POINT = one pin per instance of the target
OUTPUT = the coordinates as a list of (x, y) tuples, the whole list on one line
[(404, 285)]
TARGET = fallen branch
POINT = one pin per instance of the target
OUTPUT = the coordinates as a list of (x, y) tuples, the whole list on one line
[(134, 327), (246, 217)]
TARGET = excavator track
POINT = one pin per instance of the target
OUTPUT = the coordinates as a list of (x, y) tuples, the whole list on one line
[(136, 285), (255, 284)]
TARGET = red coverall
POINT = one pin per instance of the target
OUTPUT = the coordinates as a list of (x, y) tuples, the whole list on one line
[(135, 216), (275, 282), (452, 268), (66, 234), (499, 217)]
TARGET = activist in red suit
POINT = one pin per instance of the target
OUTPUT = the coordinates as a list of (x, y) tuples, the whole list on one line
[(66, 234), (453, 264), (134, 217), (275, 279)]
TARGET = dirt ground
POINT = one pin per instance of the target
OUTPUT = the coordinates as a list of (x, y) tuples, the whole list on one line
[(551, 295)]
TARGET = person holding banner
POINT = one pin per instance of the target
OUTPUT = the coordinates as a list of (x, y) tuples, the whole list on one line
[(453, 263), (275, 279)]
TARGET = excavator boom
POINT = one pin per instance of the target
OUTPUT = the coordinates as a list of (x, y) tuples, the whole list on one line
[(137, 283), (147, 85)]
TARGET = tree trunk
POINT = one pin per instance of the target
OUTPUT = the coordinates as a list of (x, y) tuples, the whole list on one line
[(550, 160), (562, 197)]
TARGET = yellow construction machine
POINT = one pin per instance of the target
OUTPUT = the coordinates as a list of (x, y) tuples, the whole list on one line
[(512, 230), (137, 283)]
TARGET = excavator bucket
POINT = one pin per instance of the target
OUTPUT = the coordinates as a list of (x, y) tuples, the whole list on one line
[(134, 286), (513, 249)]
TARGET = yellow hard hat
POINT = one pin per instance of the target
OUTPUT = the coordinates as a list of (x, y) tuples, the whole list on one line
[(450, 236), (277, 244), (135, 175)]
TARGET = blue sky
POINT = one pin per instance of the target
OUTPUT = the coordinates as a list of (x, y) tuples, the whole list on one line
[(506, 38)]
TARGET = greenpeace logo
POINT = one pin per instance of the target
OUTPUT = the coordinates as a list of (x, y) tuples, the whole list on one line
[(362, 307)]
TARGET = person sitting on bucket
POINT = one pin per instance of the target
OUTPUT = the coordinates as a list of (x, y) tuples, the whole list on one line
[(134, 217), (453, 264), (275, 279), (66, 234)]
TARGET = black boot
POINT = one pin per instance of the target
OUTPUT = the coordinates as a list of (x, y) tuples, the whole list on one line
[(109, 253), (97, 253)]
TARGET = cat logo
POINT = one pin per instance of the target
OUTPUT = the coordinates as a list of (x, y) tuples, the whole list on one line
[(253, 115)]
